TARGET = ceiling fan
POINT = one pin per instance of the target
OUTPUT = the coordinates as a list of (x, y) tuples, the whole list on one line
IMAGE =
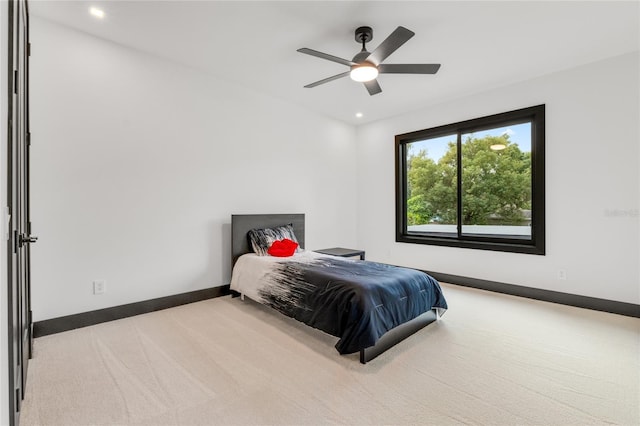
[(365, 66)]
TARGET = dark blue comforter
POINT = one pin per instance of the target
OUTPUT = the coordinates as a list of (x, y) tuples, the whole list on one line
[(356, 301)]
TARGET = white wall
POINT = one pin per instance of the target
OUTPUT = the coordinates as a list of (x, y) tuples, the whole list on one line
[(592, 181), (138, 164)]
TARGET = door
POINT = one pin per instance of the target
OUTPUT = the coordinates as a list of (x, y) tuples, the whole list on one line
[(19, 279)]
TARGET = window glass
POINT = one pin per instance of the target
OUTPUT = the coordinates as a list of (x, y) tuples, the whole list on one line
[(431, 185), (496, 181)]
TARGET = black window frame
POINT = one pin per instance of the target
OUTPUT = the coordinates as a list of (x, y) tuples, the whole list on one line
[(536, 244)]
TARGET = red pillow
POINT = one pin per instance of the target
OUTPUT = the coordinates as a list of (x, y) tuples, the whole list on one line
[(283, 248)]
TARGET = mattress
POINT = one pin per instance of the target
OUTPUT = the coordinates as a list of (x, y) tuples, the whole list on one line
[(356, 301)]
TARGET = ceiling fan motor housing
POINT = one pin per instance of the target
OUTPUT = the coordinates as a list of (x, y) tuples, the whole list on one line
[(360, 57)]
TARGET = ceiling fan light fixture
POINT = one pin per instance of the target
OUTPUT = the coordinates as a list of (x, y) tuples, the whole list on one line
[(364, 72)]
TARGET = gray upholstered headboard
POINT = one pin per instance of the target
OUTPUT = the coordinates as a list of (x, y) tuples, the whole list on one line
[(243, 223)]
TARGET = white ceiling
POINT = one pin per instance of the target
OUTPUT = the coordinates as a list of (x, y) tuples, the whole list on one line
[(481, 45)]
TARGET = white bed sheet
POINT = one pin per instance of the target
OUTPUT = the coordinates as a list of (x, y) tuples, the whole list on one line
[(250, 268)]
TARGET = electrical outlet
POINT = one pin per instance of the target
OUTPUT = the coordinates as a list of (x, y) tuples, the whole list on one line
[(562, 275), (99, 287)]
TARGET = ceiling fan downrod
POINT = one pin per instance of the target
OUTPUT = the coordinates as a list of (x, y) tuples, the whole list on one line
[(364, 35)]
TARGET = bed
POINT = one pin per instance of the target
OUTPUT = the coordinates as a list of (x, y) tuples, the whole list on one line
[(369, 306)]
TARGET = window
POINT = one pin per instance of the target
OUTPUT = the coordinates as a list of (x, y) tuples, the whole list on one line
[(474, 184)]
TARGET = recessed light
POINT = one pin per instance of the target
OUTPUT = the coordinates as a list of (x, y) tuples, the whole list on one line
[(359, 114), (498, 147), (98, 13)]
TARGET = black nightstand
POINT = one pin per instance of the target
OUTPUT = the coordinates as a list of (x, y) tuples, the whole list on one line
[(342, 252)]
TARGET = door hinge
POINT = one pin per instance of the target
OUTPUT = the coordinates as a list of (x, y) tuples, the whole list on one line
[(28, 49), (15, 82), (28, 138), (16, 241), (18, 399)]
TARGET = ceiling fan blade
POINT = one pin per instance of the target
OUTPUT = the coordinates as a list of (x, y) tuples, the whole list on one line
[(373, 87), (397, 38), (326, 56), (328, 79), (408, 68)]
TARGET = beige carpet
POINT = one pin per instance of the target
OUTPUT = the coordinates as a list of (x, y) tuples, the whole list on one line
[(492, 359)]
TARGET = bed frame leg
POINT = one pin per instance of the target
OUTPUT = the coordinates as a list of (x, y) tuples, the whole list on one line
[(242, 296)]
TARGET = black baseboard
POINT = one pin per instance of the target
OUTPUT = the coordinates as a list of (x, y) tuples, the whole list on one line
[(70, 322), (84, 319), (611, 306)]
